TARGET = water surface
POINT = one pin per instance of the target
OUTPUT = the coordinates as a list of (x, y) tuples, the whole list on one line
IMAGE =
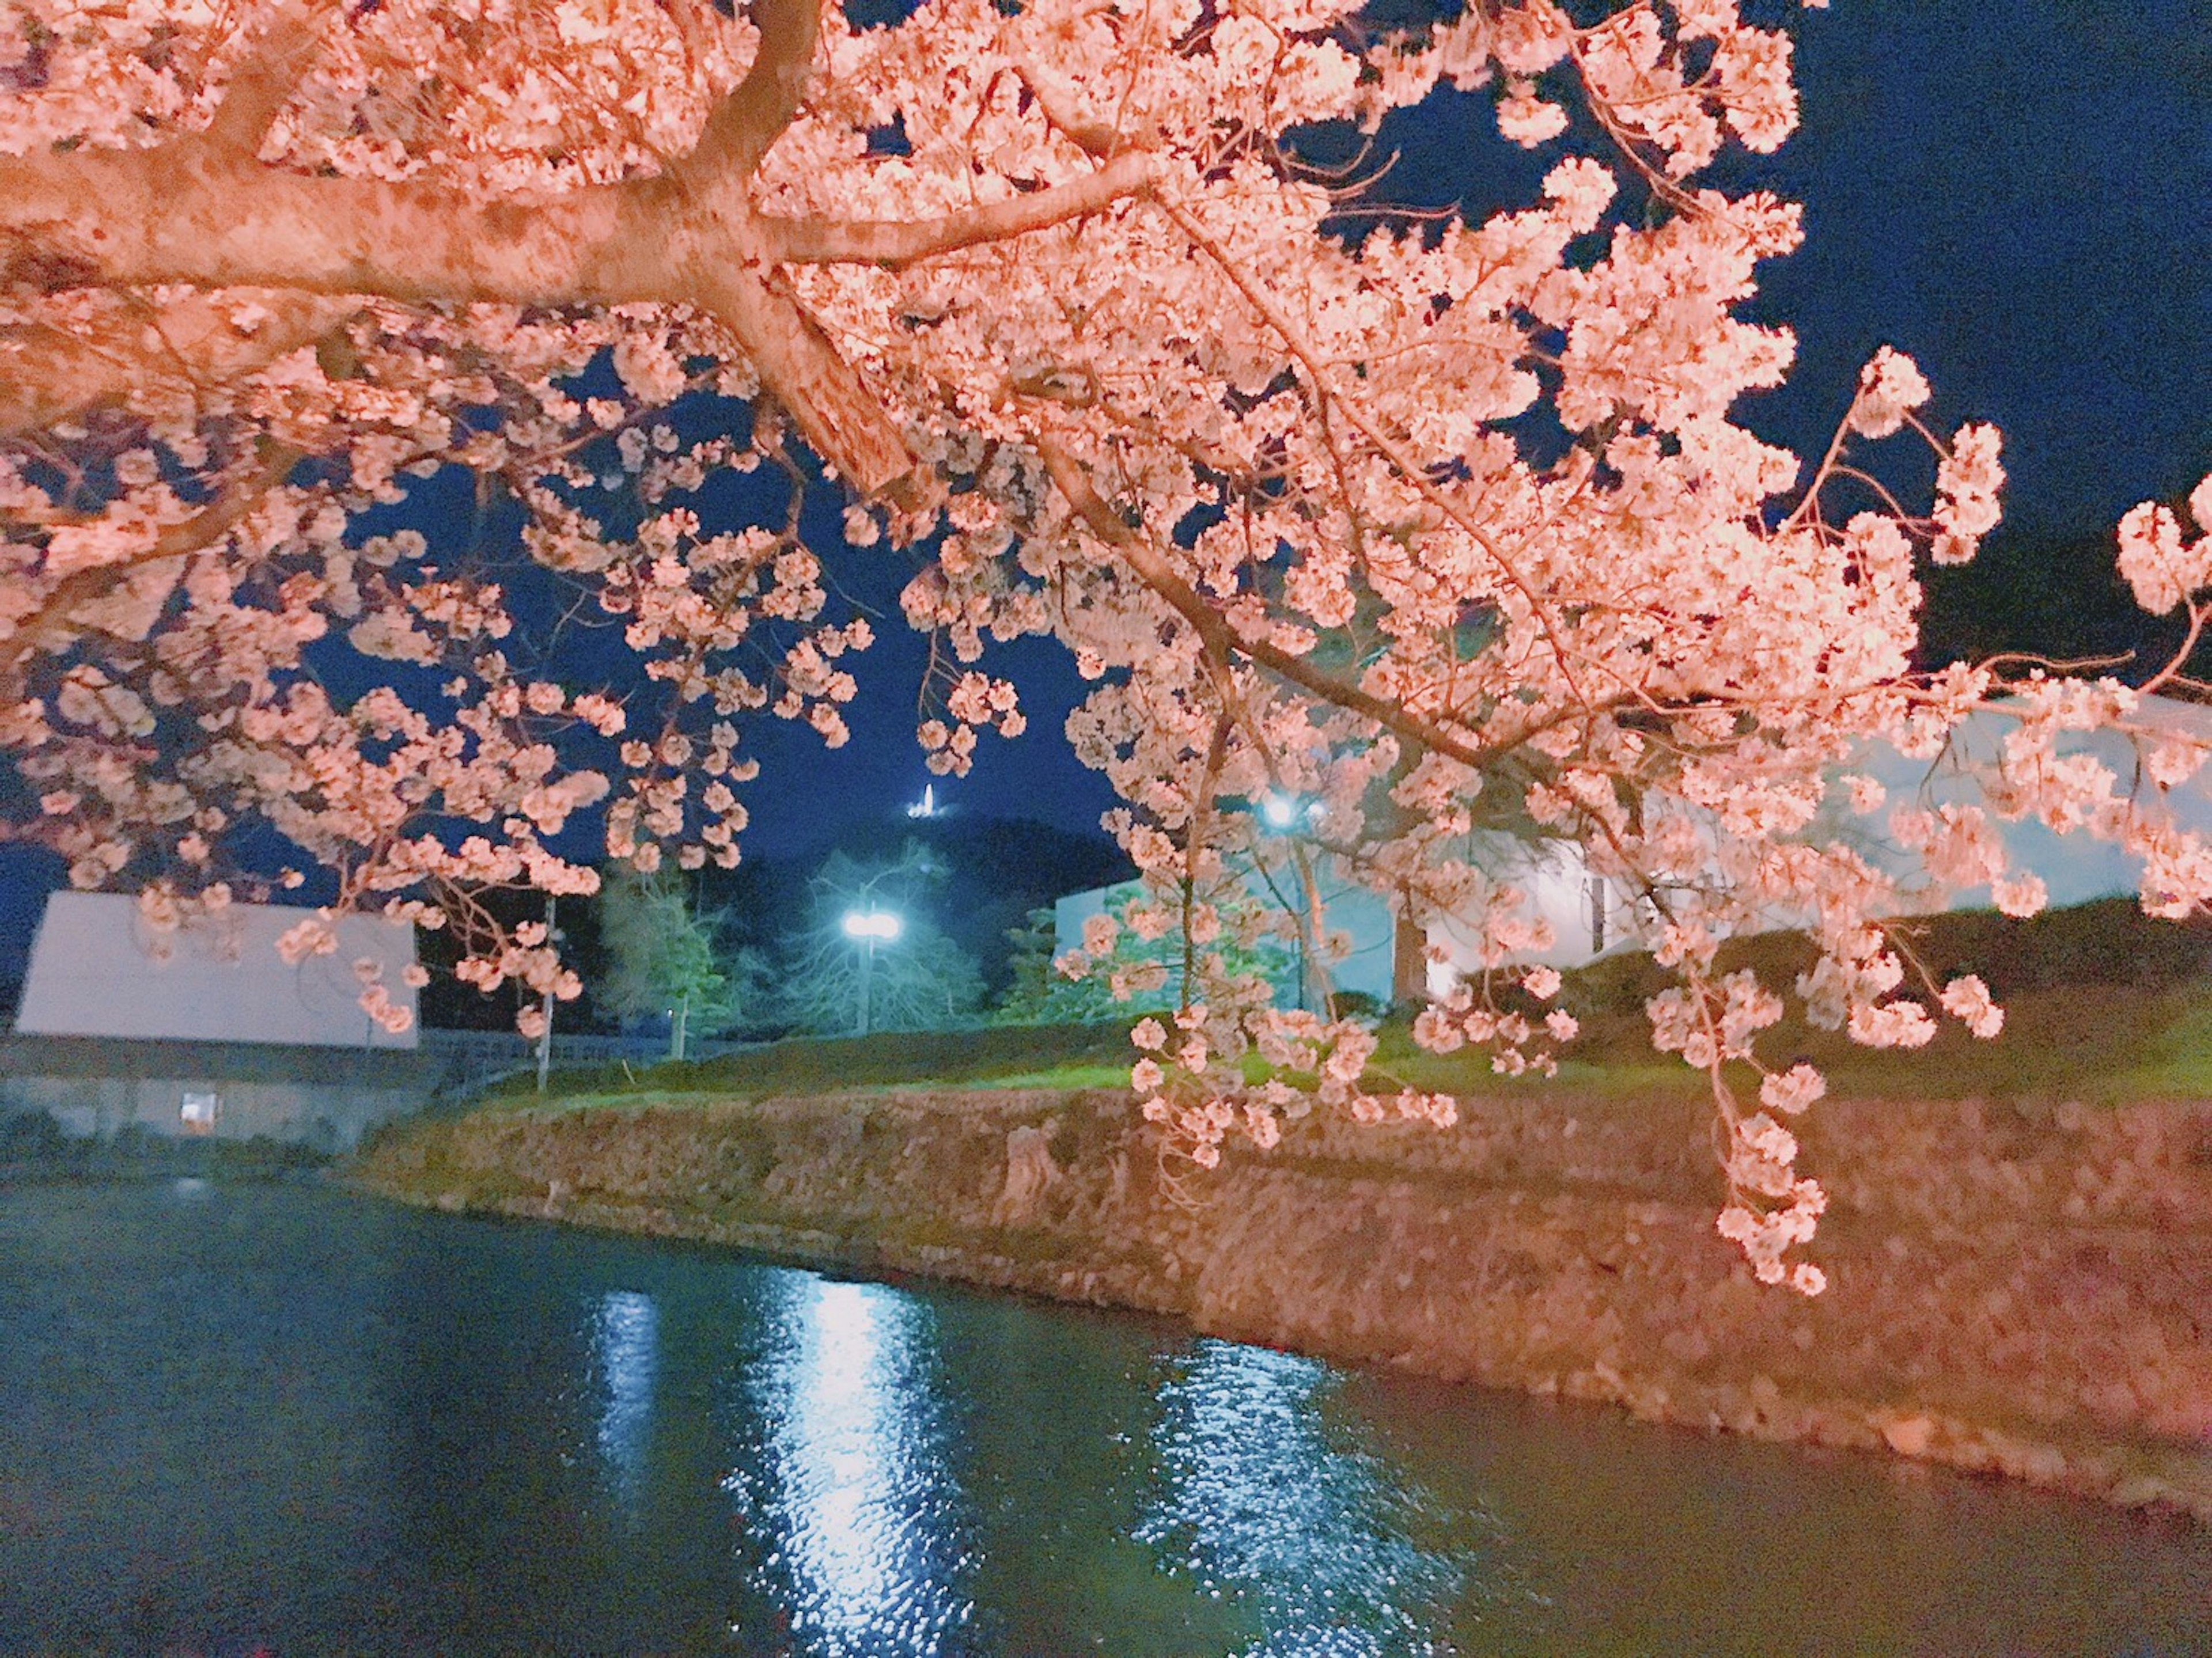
[(287, 1418)]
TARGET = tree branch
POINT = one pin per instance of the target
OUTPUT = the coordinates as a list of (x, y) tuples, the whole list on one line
[(48, 374), (1099, 517), (1395, 452), (843, 421), (195, 216), (757, 112), (228, 509), (201, 212), (892, 245), (1092, 137), (264, 77), (69, 596)]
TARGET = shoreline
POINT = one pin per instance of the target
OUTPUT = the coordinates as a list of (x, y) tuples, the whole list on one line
[(2019, 1293)]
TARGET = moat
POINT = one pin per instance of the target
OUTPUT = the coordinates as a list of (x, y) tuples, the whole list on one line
[(285, 1417)]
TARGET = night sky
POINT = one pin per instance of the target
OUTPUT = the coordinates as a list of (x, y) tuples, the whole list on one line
[(2016, 192)]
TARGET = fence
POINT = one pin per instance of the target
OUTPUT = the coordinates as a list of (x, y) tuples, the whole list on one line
[(469, 1059)]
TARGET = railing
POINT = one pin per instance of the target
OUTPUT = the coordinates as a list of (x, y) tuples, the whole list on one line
[(470, 1058)]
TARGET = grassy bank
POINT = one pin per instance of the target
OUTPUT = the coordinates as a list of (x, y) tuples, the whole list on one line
[(1000, 1056), (2104, 1006)]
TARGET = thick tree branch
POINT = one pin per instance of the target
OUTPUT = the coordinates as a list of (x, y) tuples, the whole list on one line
[(843, 421), (194, 214), (831, 242), (1099, 517), (201, 212), (177, 350), (755, 115), (264, 77), (200, 215)]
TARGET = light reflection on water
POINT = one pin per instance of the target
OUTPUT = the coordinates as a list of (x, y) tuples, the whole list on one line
[(282, 1418), (623, 1328), (1257, 1499), (849, 1470)]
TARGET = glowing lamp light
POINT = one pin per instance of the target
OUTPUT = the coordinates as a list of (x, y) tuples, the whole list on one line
[(1279, 812), (879, 924)]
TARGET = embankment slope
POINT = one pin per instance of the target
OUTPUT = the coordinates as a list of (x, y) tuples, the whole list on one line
[(2027, 1292)]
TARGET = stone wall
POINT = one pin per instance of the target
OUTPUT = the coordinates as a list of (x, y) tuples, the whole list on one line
[(2028, 1293)]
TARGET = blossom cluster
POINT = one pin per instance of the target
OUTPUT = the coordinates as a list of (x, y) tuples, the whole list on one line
[(1052, 289)]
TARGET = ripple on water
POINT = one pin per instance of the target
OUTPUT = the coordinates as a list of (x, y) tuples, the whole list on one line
[(284, 1418)]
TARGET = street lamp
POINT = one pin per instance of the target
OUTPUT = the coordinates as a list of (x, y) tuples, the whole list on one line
[(553, 938), (870, 927), (1282, 813)]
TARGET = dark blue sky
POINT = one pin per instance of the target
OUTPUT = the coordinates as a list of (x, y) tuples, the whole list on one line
[(2017, 192)]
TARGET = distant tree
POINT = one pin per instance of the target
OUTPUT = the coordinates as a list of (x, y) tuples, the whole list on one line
[(664, 959), (994, 871), (1125, 974), (1029, 971), (870, 957)]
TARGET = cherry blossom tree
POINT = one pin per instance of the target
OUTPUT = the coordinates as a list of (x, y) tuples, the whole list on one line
[(1439, 527)]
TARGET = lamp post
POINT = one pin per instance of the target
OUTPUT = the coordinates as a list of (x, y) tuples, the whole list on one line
[(553, 936), (1284, 814), (869, 928)]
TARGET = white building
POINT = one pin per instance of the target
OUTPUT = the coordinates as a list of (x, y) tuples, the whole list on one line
[(1588, 916), (1584, 914), (98, 969), (207, 1030), (2075, 868)]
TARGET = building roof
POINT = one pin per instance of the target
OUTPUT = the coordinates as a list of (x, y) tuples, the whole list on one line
[(99, 970)]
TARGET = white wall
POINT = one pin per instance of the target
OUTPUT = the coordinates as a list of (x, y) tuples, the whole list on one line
[(97, 970), (1556, 882), (1551, 873), (1368, 926), (2075, 867)]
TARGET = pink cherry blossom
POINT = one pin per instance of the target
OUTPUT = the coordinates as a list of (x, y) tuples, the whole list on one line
[(1104, 368)]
